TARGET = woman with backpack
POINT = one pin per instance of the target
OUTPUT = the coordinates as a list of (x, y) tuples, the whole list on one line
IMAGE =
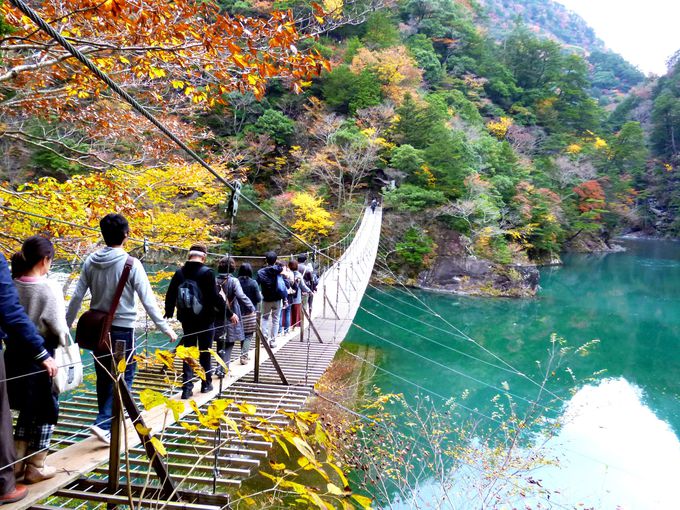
[(239, 303), (29, 387)]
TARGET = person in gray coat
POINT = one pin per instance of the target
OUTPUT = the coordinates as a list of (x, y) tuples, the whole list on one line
[(100, 275)]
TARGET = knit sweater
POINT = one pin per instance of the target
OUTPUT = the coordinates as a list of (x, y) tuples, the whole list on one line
[(44, 304)]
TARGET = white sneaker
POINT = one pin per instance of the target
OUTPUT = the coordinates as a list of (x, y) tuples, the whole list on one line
[(103, 435), (272, 344)]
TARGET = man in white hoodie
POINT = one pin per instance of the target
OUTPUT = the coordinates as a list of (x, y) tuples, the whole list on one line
[(100, 275)]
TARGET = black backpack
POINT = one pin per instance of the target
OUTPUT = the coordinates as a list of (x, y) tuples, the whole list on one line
[(311, 279), (189, 296)]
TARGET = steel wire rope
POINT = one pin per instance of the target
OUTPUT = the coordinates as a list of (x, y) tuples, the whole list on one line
[(428, 339), (81, 430), (462, 333), (453, 370), (37, 19), (422, 388), (448, 399), (509, 370), (142, 242)]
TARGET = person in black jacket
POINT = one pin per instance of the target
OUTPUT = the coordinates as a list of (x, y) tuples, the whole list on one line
[(271, 298), (193, 291), (15, 322)]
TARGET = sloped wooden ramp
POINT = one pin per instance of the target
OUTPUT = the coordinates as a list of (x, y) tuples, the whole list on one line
[(303, 357)]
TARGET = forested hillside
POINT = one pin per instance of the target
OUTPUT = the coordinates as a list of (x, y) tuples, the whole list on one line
[(656, 105), (491, 154)]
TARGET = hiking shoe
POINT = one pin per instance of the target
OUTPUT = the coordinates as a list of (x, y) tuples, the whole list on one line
[(187, 393), (244, 360), (103, 435), (19, 493), (206, 388)]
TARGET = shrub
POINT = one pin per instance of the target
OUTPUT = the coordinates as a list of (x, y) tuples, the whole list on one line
[(410, 198), (407, 159), (415, 248), (275, 124)]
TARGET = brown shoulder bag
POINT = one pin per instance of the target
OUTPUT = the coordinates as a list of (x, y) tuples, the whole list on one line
[(94, 326)]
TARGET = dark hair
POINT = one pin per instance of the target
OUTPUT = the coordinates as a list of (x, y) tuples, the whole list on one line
[(199, 247), (33, 251), (245, 270), (226, 265), (302, 258), (292, 265), (270, 257), (114, 229)]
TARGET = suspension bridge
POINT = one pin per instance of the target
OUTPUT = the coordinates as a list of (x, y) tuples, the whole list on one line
[(273, 381)]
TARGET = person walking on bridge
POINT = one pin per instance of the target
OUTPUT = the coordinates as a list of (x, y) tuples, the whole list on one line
[(100, 275), (193, 290), (29, 388), (14, 322), (273, 292)]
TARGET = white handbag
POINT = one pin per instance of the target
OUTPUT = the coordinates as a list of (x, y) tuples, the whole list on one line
[(70, 373)]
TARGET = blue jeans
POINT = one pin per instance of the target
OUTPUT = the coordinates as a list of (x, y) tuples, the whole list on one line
[(284, 319), (104, 380)]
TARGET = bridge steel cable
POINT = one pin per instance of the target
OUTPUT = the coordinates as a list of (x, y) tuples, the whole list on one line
[(510, 370), (429, 309), (43, 25), (452, 370), (416, 441)]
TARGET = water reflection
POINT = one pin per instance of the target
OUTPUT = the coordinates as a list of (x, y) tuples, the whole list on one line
[(614, 450)]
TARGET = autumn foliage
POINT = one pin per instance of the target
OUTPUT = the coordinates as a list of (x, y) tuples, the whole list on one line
[(173, 56), (396, 70), (591, 197), (169, 207)]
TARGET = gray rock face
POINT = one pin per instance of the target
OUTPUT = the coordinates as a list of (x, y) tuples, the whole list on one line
[(467, 275), (454, 270)]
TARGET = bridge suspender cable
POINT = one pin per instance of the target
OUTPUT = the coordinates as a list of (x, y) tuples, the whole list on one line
[(43, 25)]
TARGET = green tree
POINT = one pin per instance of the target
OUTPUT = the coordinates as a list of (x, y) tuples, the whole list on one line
[(381, 31), (407, 159), (417, 125), (347, 92), (628, 152), (410, 198), (577, 111), (275, 124), (665, 135), (414, 249), (422, 50), (535, 63), (451, 159)]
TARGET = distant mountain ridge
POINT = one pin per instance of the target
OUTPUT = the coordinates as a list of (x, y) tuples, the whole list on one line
[(610, 73), (545, 17)]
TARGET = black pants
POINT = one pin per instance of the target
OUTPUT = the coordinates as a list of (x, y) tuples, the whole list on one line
[(8, 454), (203, 338)]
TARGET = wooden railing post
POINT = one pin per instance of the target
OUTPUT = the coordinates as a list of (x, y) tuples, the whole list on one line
[(258, 335), (117, 354)]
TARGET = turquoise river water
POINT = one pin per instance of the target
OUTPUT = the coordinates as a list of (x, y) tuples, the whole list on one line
[(619, 447)]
